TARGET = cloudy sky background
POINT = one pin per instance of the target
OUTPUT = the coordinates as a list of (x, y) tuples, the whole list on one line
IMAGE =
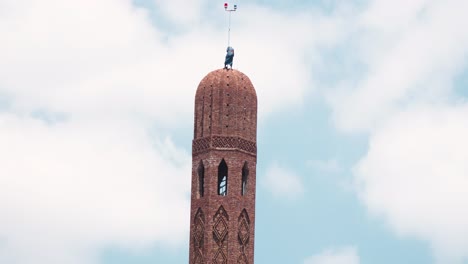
[(362, 132)]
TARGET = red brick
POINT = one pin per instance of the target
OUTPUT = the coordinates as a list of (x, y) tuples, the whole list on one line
[(225, 128)]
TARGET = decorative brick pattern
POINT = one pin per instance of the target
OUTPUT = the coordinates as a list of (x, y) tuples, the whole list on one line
[(222, 142), (198, 235), (222, 228), (243, 235), (200, 145), (220, 234)]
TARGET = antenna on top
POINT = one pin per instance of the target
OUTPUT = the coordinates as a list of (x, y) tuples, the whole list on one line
[(229, 50), (230, 10)]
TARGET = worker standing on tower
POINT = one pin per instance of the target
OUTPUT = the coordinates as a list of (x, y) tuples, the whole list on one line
[(229, 50), (229, 58)]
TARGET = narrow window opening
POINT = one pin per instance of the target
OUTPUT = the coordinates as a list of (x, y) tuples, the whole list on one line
[(201, 179), (222, 178), (245, 177)]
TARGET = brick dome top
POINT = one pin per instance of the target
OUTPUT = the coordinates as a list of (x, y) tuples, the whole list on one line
[(226, 105), (233, 79)]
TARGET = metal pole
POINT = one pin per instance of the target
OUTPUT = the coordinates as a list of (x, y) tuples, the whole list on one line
[(229, 31)]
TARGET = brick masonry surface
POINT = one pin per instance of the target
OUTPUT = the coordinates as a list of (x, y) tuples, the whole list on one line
[(222, 228)]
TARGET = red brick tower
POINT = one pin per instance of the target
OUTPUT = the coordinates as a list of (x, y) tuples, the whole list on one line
[(224, 157)]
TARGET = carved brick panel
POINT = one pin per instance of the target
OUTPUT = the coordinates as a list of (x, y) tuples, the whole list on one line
[(199, 237), (220, 235), (243, 235)]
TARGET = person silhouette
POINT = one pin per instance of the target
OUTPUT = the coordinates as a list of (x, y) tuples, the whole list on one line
[(229, 57)]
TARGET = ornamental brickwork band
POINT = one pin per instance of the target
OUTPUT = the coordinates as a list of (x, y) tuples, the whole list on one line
[(224, 142)]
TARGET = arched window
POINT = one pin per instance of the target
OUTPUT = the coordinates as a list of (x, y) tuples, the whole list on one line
[(222, 178), (245, 177), (201, 179)]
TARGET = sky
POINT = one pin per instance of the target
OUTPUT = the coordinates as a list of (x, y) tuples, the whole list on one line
[(362, 130)]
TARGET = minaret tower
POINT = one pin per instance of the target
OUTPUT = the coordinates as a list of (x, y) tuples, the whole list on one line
[(224, 158)]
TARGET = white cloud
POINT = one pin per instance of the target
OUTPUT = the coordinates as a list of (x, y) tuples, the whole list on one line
[(415, 176), (282, 182), (414, 171), (411, 51), (70, 189), (183, 13), (282, 53), (347, 255), (89, 57), (97, 178)]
